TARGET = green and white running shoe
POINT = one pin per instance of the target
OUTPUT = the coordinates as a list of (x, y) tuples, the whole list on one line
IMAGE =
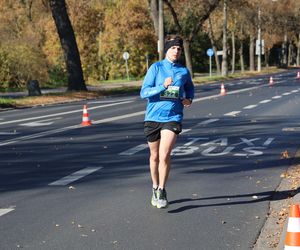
[(154, 197), (162, 201)]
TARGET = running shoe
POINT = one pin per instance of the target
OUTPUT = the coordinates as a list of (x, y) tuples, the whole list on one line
[(162, 201), (154, 197)]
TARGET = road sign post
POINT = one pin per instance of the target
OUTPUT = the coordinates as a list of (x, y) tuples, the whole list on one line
[(126, 57), (210, 53)]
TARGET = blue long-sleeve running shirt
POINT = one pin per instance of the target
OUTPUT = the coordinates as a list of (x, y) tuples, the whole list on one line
[(165, 105)]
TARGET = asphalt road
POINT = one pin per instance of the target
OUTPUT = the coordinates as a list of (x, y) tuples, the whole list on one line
[(64, 186)]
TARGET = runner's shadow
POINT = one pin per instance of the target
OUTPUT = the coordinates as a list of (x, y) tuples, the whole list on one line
[(266, 196)]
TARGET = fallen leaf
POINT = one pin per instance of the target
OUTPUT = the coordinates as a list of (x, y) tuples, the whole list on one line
[(285, 154)]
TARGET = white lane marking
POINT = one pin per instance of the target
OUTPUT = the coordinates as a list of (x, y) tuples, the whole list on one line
[(276, 97), (186, 130), (40, 123), (294, 91), (250, 107), (111, 119), (291, 129), (228, 93), (4, 211), (288, 93), (38, 135), (108, 101), (9, 133), (265, 101), (63, 113), (74, 176), (134, 150), (232, 113), (268, 141), (208, 121), (59, 130)]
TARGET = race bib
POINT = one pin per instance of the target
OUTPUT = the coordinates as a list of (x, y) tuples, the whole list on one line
[(171, 93)]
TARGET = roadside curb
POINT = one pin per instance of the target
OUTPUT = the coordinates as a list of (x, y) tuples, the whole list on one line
[(272, 235)]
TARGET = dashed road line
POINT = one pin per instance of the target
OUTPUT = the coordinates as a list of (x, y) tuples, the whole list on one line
[(250, 107), (4, 211), (208, 121), (291, 129), (232, 113), (74, 176), (276, 97), (9, 133), (265, 101), (63, 113), (134, 150)]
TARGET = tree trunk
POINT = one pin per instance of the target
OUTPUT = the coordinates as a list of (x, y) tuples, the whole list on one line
[(284, 51), (224, 58), (267, 55), (233, 52), (161, 29), (290, 54), (213, 44), (251, 53), (242, 57), (188, 57), (153, 4), (298, 51), (69, 45)]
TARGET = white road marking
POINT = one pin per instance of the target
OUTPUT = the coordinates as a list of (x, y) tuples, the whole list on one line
[(250, 107), (294, 91), (291, 129), (265, 101), (276, 97), (185, 130), (4, 211), (74, 176), (208, 121), (288, 93), (134, 150), (228, 93), (268, 141), (59, 130), (232, 113), (40, 123), (9, 133), (38, 135), (111, 119), (63, 113)]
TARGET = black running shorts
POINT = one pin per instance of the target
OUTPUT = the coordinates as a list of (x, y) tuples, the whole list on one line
[(152, 129)]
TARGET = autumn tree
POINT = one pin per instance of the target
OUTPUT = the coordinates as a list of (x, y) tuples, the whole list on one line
[(127, 27), (188, 18)]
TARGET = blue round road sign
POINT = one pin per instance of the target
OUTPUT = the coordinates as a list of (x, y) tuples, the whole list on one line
[(210, 52)]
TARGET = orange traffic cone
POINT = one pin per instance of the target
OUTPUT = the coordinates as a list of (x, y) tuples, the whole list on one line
[(271, 81), (85, 117), (223, 91), (298, 75), (292, 239)]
